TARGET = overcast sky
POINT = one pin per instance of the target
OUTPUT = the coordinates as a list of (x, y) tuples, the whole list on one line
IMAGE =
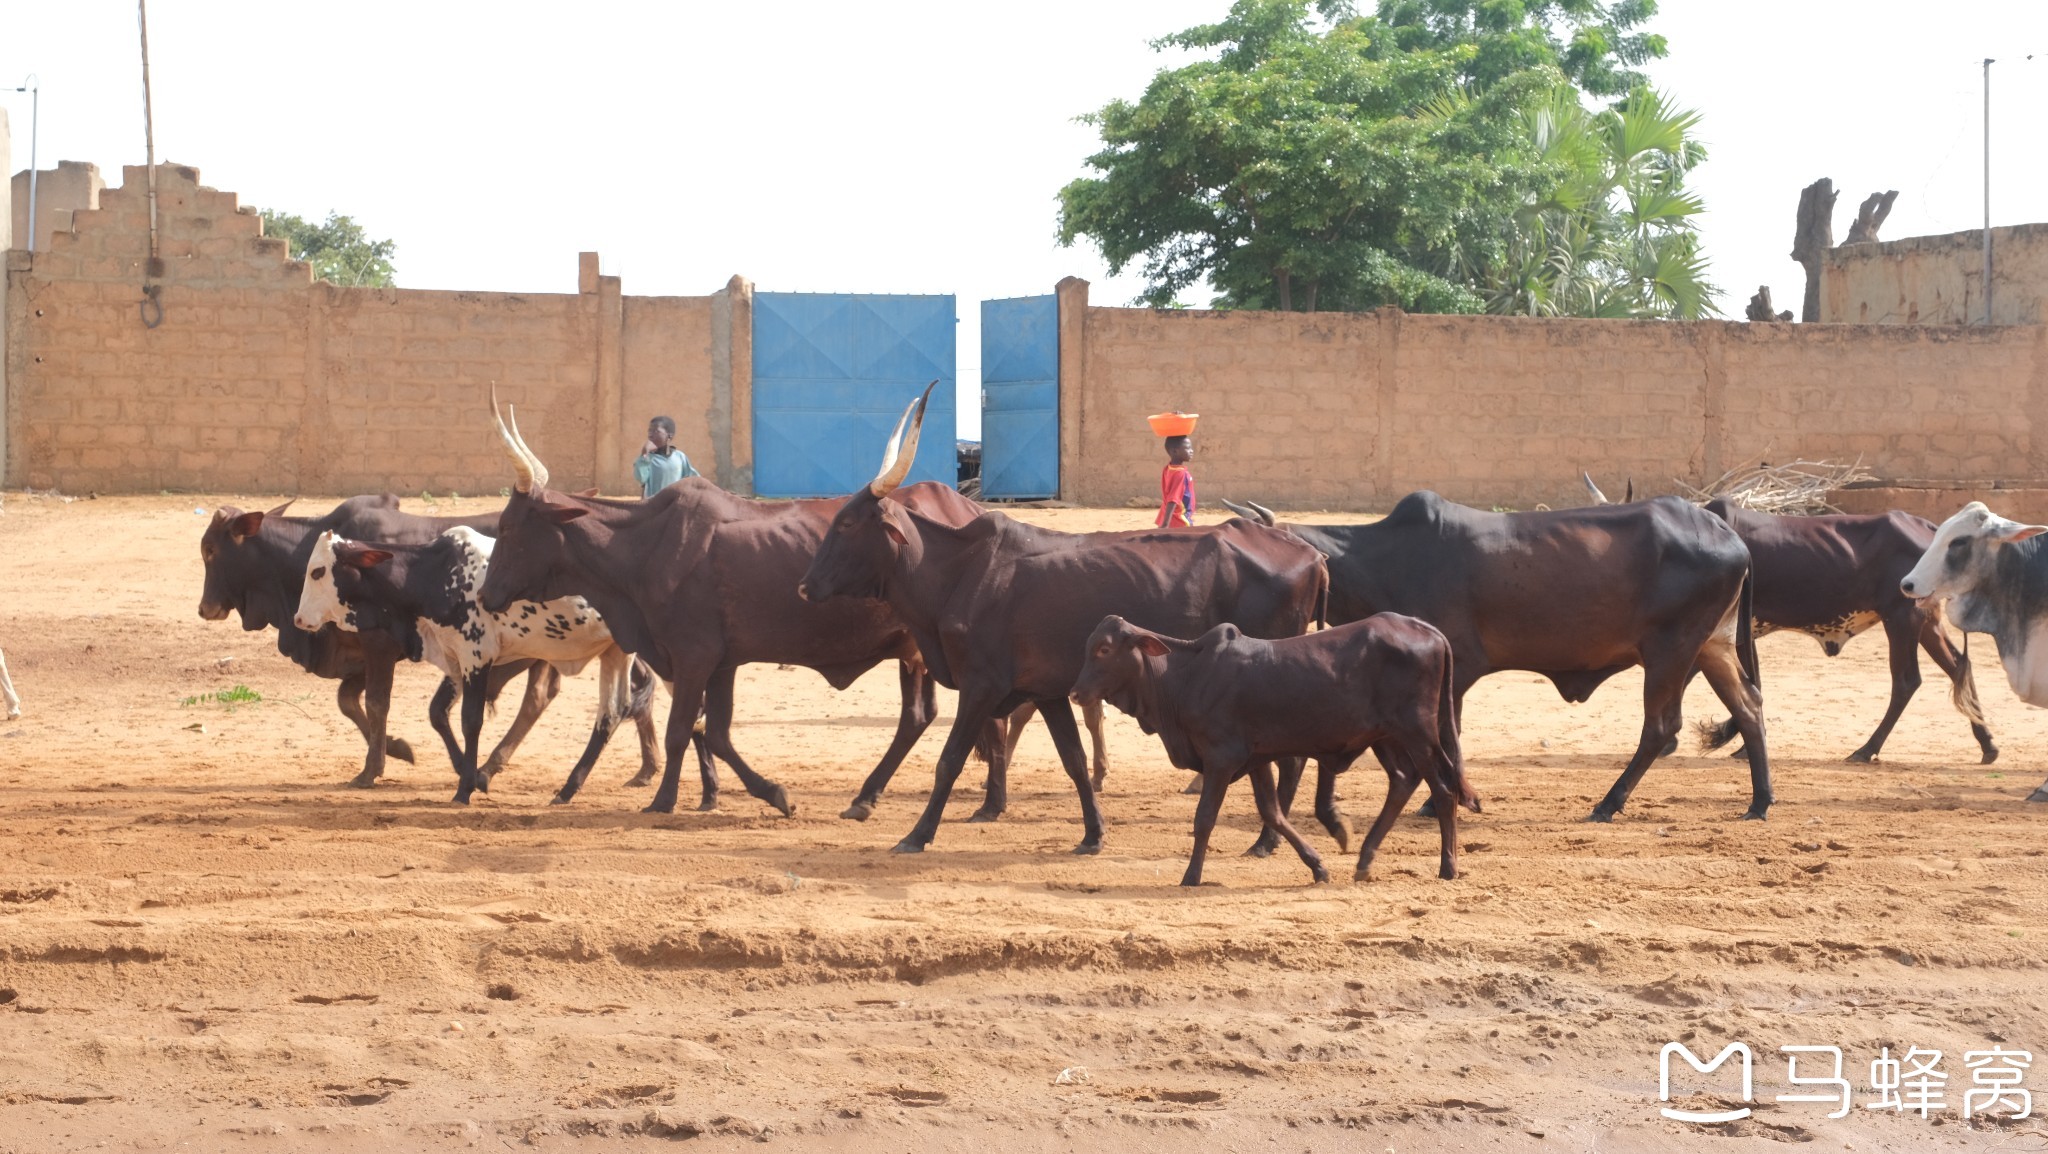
[(909, 145)]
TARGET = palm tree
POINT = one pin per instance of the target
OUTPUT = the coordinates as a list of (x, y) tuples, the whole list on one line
[(1612, 234)]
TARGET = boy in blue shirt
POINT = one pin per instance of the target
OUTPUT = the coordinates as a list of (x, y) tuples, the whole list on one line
[(660, 463)]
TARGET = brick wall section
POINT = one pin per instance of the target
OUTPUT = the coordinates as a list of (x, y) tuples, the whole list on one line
[(1351, 412), (1938, 280), (260, 379)]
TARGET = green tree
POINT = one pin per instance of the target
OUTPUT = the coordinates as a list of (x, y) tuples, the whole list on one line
[(1595, 43), (338, 249), (1612, 233), (1299, 170)]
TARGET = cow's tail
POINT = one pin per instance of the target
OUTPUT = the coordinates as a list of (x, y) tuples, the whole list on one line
[(1322, 591), (989, 742), (1962, 691), (1745, 630), (1449, 749), (640, 684)]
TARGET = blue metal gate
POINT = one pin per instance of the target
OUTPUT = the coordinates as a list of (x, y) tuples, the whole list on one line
[(1020, 397), (832, 373)]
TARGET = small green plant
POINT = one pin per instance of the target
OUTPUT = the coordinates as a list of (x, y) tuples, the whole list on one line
[(427, 496), (227, 698), (504, 490), (454, 496)]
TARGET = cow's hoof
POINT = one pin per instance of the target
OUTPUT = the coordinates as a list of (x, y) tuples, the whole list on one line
[(1447, 873), (858, 811), (1602, 816), (460, 799), (1754, 814), (983, 816), (363, 780), (707, 803), (907, 845), (559, 799), (1088, 847), (1990, 755), (659, 807), (779, 798), (1263, 847), (1364, 875), (399, 748), (1861, 757), (1321, 875), (639, 780), (2040, 794), (1426, 809), (1101, 775)]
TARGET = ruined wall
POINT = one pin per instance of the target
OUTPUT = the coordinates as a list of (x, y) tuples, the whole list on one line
[(1352, 411), (260, 379), (60, 192), (1938, 280)]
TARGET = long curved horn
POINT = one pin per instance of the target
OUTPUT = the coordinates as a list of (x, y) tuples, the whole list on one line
[(520, 464), (1599, 498), (540, 471), (897, 458)]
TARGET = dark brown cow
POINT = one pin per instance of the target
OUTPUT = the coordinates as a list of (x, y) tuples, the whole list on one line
[(697, 582), (256, 567), (1832, 577), (1577, 595), (1002, 610), (1226, 704)]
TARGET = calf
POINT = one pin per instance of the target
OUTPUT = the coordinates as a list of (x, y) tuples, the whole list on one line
[(1226, 704), (426, 595), (1994, 575)]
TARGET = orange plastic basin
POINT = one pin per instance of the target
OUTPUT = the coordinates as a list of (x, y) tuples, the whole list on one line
[(1172, 424)]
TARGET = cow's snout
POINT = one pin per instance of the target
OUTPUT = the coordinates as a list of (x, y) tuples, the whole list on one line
[(304, 624), (211, 611), (1906, 587)]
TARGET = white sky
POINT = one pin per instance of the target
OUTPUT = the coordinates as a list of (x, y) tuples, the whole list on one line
[(908, 145)]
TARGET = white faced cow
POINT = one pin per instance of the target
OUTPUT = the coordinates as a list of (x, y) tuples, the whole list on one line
[(428, 593), (1994, 576)]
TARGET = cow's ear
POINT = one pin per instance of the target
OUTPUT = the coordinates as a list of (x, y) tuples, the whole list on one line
[(888, 512), (245, 526), (563, 514), (1151, 646), (2021, 532), (371, 558)]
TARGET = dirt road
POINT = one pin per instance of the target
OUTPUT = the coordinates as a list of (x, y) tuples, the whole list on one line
[(206, 941)]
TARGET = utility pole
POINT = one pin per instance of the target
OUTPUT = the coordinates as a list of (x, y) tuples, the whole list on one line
[(1988, 62)]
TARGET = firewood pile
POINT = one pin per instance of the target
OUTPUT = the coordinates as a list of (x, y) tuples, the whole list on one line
[(1792, 488)]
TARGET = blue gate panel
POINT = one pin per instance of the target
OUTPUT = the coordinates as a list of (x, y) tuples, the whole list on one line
[(832, 373), (1020, 407)]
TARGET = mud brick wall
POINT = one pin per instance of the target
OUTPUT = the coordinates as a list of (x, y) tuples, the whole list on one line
[(260, 379), (1351, 412)]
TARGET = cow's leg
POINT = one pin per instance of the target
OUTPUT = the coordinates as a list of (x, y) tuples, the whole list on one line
[(348, 697), (969, 724), (1018, 719), (380, 664), (1401, 783), (1902, 643), (718, 736), (1746, 702), (1664, 679), (1091, 716), (1066, 737), (1290, 782), (682, 717), (543, 682), (613, 700), (1267, 797), (994, 749), (1215, 783), (707, 769), (1962, 684), (920, 707), (643, 722), (476, 691), (1424, 762), (437, 716), (1468, 797), (1332, 818)]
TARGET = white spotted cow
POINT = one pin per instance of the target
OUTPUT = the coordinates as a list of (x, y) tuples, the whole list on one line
[(1994, 576), (425, 595)]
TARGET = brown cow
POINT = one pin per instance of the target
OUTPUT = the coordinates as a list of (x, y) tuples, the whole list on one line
[(1002, 610), (1226, 704)]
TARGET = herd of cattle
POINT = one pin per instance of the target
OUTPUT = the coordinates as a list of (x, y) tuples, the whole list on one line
[(1206, 635)]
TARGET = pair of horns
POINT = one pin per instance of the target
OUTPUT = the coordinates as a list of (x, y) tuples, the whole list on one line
[(897, 458), (533, 476)]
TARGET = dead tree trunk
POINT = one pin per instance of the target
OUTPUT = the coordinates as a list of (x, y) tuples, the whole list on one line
[(1870, 217), (1815, 237), (1760, 307)]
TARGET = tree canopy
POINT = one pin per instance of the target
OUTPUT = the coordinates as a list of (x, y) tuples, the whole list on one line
[(338, 248), (1322, 160)]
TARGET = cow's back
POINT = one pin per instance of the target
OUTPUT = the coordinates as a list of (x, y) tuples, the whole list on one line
[(1811, 570)]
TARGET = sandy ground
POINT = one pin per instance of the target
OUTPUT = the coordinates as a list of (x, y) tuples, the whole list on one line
[(207, 942)]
